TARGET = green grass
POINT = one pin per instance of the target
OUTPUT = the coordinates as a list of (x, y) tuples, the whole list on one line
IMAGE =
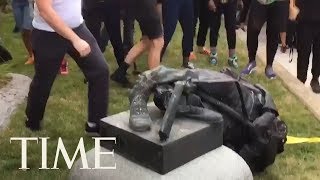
[(66, 115)]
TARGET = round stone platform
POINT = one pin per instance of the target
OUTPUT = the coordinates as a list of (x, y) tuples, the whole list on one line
[(13, 94), (221, 163)]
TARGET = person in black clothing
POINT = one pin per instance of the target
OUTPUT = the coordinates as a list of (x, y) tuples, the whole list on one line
[(146, 12), (201, 12), (284, 28), (196, 11), (229, 9), (54, 35), (107, 11), (128, 32), (182, 11), (262, 11), (308, 31), (244, 13)]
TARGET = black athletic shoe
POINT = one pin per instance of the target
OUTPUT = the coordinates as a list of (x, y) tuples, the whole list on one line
[(32, 125), (92, 130), (315, 86), (121, 79)]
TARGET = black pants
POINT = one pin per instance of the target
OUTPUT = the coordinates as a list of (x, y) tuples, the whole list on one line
[(229, 10), (244, 11), (49, 49), (259, 14), (109, 13), (182, 11), (128, 30), (204, 23), (308, 40), (196, 11)]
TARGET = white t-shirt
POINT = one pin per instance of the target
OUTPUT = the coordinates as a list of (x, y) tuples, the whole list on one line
[(68, 10)]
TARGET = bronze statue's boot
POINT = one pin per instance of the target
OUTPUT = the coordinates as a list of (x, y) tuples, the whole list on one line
[(139, 115), (140, 122)]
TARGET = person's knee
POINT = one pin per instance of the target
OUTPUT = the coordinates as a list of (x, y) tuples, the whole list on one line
[(102, 76), (104, 71), (145, 41), (158, 43)]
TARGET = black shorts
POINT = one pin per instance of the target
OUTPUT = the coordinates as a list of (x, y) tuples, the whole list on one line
[(145, 12)]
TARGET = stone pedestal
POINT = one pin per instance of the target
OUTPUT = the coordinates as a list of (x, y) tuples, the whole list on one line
[(12, 95), (188, 140), (221, 163)]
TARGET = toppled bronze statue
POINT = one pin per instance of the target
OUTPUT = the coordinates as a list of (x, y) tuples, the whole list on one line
[(252, 127)]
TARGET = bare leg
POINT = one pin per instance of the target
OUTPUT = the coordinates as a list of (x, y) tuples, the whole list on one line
[(26, 36), (137, 50), (119, 75), (156, 46)]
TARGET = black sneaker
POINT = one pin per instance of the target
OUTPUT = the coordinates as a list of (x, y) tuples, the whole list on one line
[(122, 80), (315, 86), (33, 126), (92, 129)]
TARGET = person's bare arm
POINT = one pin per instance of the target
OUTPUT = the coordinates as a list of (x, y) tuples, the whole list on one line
[(293, 10), (51, 17)]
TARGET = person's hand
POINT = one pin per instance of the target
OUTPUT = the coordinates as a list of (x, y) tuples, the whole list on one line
[(243, 27), (82, 47), (212, 6), (284, 48)]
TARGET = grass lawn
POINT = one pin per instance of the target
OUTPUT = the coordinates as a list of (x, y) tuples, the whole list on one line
[(66, 114)]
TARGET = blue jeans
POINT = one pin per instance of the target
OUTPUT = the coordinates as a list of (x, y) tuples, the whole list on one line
[(22, 16)]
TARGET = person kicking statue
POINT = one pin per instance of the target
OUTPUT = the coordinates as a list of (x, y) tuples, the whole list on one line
[(59, 29), (148, 16)]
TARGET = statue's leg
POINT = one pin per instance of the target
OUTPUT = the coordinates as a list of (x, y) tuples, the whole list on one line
[(139, 116), (200, 113)]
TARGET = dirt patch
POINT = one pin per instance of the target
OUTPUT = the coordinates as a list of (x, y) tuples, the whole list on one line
[(4, 80)]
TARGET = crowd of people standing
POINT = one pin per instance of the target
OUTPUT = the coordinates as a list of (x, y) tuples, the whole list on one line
[(82, 29)]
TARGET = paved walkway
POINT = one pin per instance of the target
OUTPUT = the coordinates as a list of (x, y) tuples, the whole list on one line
[(288, 72)]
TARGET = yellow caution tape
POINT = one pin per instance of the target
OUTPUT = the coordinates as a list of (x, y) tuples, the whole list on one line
[(298, 140)]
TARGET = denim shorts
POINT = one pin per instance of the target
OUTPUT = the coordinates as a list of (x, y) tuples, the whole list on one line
[(22, 15)]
